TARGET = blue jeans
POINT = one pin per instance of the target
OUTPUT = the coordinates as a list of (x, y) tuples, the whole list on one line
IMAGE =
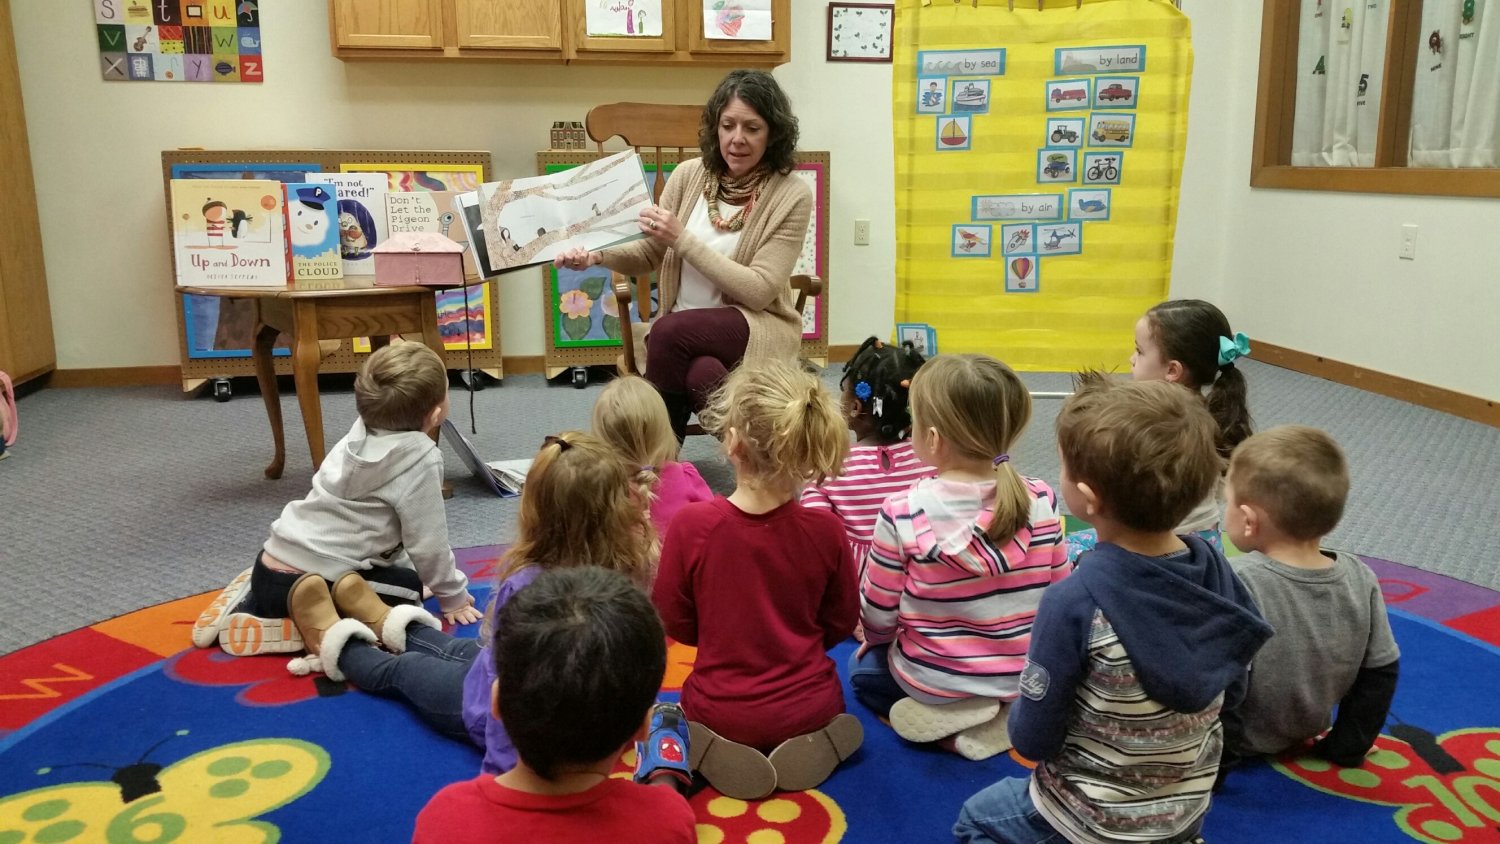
[(429, 677), (1004, 814), (870, 675)]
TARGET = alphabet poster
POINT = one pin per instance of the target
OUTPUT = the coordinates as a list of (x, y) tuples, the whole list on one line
[(179, 40), (1040, 156)]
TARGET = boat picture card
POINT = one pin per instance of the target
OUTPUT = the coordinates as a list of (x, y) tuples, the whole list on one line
[(229, 233)]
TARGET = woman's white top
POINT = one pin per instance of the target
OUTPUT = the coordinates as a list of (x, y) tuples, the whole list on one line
[(695, 290)]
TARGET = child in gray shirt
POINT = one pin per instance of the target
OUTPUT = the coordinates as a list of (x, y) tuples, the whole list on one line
[(1333, 644)]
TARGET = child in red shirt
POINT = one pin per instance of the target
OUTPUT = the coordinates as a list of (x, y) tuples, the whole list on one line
[(579, 659), (764, 587)]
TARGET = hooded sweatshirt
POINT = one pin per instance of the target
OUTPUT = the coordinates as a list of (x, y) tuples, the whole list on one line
[(957, 605), (377, 500), (1131, 659)]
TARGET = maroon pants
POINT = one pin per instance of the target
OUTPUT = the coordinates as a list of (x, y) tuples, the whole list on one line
[(688, 354)]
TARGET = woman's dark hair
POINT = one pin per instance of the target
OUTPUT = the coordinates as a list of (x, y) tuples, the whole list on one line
[(759, 90), (883, 373), (579, 657), (1188, 331)]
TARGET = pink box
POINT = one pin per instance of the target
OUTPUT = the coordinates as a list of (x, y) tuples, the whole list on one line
[(419, 258)]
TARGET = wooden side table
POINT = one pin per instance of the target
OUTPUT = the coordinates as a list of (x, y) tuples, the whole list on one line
[(309, 311)]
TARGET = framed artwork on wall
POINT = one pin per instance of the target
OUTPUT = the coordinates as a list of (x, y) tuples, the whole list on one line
[(859, 32)]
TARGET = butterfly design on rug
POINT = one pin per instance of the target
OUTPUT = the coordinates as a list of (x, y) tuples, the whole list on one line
[(214, 795), (1447, 786)]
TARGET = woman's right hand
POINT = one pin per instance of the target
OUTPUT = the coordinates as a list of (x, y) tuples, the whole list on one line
[(576, 259)]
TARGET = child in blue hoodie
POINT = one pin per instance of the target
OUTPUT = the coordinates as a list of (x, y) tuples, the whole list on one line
[(1133, 656)]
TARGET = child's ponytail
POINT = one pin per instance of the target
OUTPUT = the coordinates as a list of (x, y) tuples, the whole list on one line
[(1197, 334), (789, 427), (980, 407)]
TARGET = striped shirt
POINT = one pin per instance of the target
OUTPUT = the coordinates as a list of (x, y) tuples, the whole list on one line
[(957, 606), (1131, 769), (872, 473)]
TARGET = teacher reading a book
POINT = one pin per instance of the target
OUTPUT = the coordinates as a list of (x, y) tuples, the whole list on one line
[(724, 240)]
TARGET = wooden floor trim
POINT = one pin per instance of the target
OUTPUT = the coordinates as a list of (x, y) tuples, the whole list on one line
[(1469, 407), (116, 376)]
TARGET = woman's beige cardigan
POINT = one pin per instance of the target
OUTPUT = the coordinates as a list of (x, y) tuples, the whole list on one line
[(756, 279)]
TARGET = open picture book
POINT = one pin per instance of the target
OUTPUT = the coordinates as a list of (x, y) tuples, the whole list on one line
[(530, 221), (505, 478)]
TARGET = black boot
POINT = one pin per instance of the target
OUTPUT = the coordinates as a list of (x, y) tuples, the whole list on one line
[(679, 409)]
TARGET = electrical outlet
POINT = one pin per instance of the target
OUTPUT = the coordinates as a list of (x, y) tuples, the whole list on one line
[(1409, 242), (861, 232)]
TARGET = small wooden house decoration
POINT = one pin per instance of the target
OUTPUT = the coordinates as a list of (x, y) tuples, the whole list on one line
[(424, 258)]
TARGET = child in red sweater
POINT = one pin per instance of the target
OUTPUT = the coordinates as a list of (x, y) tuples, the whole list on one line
[(764, 587), (578, 662)]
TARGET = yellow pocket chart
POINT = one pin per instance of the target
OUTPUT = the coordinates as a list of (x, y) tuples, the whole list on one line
[(1071, 154)]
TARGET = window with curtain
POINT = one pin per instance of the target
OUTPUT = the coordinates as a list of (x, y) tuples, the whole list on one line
[(1340, 67), (1455, 111)]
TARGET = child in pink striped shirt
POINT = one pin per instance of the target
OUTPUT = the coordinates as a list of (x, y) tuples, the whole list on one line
[(881, 461), (958, 564)]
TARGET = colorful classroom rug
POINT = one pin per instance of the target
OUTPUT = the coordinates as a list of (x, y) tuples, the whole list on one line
[(121, 732)]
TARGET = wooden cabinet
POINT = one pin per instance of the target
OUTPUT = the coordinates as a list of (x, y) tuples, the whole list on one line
[(387, 24), (512, 24), (539, 31), (26, 342)]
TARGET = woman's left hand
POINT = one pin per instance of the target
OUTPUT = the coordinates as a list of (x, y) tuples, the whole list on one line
[(660, 225)]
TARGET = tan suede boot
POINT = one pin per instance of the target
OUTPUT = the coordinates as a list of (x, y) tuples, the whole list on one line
[(311, 609), (355, 599)]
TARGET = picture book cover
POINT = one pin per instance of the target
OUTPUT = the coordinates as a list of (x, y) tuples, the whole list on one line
[(429, 211), (313, 228), (361, 216), (229, 233), (593, 206)]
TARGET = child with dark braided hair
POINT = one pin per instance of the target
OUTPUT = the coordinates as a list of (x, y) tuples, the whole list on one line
[(881, 461)]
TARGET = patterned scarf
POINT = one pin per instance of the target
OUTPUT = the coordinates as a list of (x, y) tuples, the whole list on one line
[(743, 192)]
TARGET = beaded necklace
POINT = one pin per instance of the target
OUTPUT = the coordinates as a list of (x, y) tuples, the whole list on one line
[(743, 192)]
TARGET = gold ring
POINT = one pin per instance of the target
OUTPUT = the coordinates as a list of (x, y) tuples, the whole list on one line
[(652, 224)]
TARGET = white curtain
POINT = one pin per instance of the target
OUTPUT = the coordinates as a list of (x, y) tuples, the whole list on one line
[(1455, 115), (1340, 70)]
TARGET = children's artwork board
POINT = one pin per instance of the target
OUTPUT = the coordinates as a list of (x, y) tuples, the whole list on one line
[(215, 334), (579, 307)]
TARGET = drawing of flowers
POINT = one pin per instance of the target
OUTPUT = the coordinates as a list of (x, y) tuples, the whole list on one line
[(575, 303)]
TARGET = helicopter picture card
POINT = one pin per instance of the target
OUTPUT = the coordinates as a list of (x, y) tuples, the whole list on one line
[(531, 220)]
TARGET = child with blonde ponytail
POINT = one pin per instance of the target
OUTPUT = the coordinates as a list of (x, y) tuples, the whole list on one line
[(631, 416), (764, 587), (958, 564)]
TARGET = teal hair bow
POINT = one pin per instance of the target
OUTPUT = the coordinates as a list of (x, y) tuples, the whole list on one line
[(1231, 349)]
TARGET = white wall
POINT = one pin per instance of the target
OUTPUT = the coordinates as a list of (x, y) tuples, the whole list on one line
[(1318, 272), (96, 148), (1310, 271)]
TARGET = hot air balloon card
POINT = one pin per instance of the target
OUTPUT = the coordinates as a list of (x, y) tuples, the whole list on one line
[(1056, 166), (953, 132), (1059, 239), (1069, 94), (1022, 275), (932, 94), (1085, 204), (971, 96), (1102, 168), (971, 241), (1018, 239), (920, 335), (1064, 132)]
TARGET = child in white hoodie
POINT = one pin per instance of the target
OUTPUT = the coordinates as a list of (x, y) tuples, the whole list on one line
[(376, 507)]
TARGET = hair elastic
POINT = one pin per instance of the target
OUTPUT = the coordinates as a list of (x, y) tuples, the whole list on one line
[(562, 444), (1003, 458)]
